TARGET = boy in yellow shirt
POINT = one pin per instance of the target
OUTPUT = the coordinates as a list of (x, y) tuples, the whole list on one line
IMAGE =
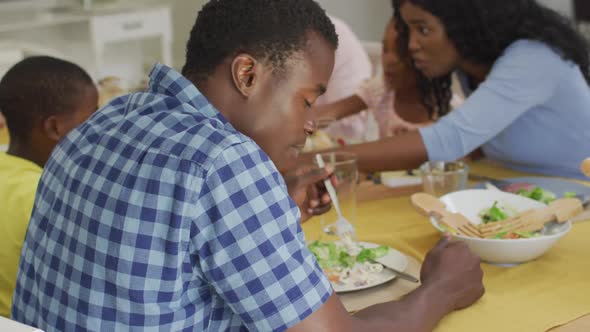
[(42, 99)]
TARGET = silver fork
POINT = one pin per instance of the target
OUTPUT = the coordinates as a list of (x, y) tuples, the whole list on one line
[(344, 228)]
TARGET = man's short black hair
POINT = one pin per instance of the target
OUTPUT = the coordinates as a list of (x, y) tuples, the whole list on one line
[(37, 87), (268, 29)]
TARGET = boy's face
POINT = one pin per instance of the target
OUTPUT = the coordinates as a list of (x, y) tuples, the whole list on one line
[(279, 109)]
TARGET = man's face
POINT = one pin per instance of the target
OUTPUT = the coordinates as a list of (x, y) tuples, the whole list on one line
[(280, 105)]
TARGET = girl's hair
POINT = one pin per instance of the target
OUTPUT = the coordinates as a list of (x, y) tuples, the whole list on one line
[(482, 29)]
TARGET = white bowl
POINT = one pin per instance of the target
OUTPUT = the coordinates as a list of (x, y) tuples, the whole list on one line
[(500, 251)]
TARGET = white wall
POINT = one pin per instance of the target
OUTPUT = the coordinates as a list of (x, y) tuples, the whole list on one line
[(366, 17), (565, 7), (184, 13)]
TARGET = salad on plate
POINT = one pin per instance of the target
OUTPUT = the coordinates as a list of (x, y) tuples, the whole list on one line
[(349, 264)]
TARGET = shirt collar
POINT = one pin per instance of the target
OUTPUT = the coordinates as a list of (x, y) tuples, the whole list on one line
[(167, 81)]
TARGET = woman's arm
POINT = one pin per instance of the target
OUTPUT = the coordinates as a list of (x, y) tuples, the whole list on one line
[(340, 109), (405, 151), (515, 85)]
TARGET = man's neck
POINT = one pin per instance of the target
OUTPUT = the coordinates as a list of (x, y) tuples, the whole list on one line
[(214, 92)]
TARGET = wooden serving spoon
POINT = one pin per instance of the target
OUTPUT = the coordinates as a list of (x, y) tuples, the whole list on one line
[(431, 206), (559, 211)]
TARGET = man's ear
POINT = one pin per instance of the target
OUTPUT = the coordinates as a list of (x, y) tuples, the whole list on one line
[(244, 73), (52, 128)]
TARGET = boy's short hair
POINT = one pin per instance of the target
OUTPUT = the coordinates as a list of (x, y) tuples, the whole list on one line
[(269, 29), (38, 87)]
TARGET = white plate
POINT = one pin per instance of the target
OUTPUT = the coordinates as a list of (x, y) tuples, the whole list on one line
[(395, 258)]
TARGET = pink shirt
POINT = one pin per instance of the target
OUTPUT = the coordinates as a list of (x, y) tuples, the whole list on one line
[(380, 101), (352, 66), (380, 107)]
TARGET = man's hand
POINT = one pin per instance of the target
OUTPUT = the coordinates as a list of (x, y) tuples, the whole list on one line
[(452, 268), (307, 189), (2, 121)]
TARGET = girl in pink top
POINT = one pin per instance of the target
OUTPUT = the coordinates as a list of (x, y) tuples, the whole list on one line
[(395, 99)]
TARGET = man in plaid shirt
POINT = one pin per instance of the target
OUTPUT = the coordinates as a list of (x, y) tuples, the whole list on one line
[(166, 210)]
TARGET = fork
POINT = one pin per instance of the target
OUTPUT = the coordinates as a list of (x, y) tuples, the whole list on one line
[(344, 228)]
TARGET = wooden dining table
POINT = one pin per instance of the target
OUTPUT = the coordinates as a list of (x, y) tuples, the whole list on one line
[(512, 303), (385, 216)]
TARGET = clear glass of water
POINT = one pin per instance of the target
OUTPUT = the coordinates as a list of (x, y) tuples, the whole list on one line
[(345, 178), (440, 178)]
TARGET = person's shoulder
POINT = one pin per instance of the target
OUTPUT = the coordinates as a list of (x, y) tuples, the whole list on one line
[(18, 169), (201, 139), (532, 51), (243, 156), (530, 60), (164, 125), (19, 179)]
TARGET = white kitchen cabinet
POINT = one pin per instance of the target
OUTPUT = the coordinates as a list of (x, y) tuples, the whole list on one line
[(110, 40)]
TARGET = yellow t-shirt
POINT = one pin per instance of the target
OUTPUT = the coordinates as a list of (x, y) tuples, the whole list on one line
[(18, 184)]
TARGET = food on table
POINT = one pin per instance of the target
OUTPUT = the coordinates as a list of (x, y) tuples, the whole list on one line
[(499, 213), (538, 194), (320, 140), (349, 265), (494, 213), (516, 187), (531, 191), (498, 221), (516, 235)]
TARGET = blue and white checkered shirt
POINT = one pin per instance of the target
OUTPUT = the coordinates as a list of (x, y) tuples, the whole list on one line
[(157, 215)]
